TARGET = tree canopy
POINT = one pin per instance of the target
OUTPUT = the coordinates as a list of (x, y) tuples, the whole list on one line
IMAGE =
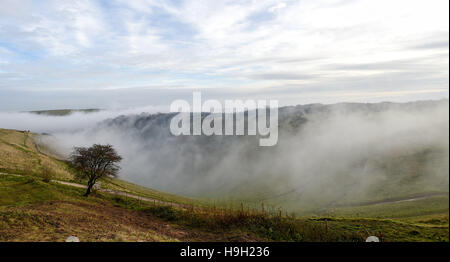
[(95, 162)]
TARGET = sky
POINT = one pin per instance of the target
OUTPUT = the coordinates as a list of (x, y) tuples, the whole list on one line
[(123, 54)]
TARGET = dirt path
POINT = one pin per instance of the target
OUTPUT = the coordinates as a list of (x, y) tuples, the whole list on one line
[(397, 200), (121, 193), (1, 173), (418, 197), (69, 184), (114, 192)]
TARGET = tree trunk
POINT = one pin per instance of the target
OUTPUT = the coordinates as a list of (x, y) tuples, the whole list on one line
[(89, 187)]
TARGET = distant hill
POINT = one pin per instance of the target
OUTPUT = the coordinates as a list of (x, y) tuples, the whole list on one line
[(64, 112)]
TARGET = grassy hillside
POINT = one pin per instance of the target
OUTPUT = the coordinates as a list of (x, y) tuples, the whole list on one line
[(20, 155), (35, 206)]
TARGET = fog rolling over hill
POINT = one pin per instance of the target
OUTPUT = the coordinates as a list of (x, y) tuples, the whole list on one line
[(327, 155)]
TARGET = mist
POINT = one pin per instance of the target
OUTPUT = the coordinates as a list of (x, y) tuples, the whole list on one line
[(326, 154)]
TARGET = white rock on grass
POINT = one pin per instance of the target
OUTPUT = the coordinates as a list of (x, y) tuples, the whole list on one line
[(72, 239), (372, 239)]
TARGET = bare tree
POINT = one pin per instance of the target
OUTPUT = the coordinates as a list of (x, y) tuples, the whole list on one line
[(95, 162)]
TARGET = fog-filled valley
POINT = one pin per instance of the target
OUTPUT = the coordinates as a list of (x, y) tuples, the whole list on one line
[(326, 155)]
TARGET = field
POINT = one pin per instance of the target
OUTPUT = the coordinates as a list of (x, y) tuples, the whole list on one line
[(35, 206)]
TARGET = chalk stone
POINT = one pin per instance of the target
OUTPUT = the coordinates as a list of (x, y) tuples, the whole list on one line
[(72, 239), (372, 239)]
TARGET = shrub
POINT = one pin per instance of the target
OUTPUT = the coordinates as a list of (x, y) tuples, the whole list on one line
[(269, 227), (27, 169), (47, 174)]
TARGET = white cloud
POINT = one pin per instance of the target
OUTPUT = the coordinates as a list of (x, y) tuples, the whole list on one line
[(277, 7), (207, 44)]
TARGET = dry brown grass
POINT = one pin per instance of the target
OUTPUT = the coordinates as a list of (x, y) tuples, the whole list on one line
[(18, 153), (12, 157), (91, 221)]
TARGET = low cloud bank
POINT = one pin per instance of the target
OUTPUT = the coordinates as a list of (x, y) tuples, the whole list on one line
[(326, 154), (76, 121)]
